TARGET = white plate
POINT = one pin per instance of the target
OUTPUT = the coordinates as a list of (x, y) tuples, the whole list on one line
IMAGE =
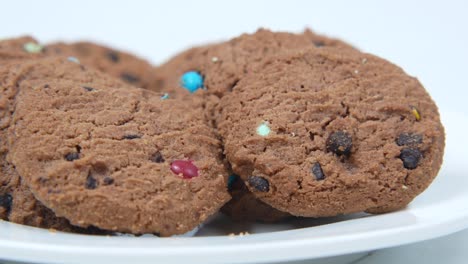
[(441, 210)]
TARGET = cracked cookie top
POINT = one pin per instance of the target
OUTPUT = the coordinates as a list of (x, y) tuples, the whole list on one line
[(99, 152), (322, 132)]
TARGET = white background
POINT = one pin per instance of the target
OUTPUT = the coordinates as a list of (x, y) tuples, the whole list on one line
[(429, 39)]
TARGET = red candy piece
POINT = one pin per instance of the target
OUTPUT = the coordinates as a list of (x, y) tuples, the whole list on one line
[(184, 167)]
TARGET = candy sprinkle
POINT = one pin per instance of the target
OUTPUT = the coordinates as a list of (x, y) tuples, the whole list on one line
[(191, 81), (214, 59), (165, 96), (32, 47), (73, 59), (263, 129), (416, 113)]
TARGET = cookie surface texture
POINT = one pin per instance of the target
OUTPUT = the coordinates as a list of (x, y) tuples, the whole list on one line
[(101, 153), (341, 132)]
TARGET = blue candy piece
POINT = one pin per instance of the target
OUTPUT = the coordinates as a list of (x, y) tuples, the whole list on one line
[(232, 178), (165, 96), (192, 81), (73, 59)]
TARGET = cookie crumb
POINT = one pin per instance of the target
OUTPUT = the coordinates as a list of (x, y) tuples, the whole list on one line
[(241, 234)]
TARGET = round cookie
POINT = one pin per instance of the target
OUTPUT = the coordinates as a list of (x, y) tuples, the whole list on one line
[(220, 67), (327, 131), (101, 153), (129, 68), (17, 204)]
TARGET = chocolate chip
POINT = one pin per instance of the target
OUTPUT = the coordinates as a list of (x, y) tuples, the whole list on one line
[(340, 143), (130, 78), (6, 201), (72, 156), (409, 139), (317, 171), (259, 183), (46, 86), (131, 136), (410, 157), (108, 180), (113, 56), (87, 88), (157, 157), (91, 182), (318, 43)]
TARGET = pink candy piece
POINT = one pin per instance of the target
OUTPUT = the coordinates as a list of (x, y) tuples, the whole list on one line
[(184, 167)]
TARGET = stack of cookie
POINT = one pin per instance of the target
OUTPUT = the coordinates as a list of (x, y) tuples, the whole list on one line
[(262, 127)]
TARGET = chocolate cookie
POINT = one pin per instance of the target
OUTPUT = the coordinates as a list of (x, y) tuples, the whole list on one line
[(327, 131), (129, 68), (101, 153), (208, 73), (17, 204)]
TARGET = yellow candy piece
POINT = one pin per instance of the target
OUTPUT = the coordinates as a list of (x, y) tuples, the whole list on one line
[(415, 112)]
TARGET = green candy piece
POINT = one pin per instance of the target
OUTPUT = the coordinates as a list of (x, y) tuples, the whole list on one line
[(32, 47), (263, 129)]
